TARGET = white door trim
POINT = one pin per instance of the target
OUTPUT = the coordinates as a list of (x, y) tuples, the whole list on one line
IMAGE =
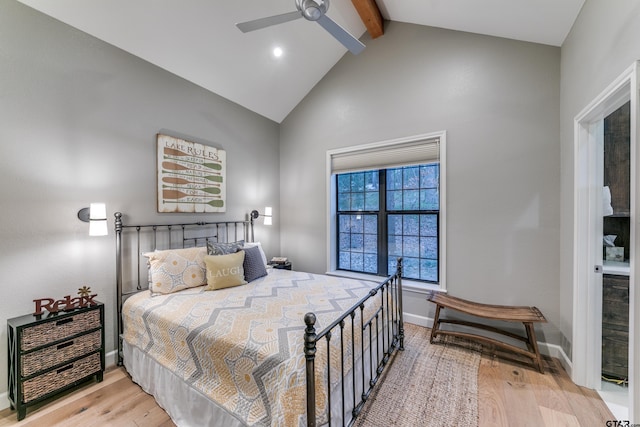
[(587, 290)]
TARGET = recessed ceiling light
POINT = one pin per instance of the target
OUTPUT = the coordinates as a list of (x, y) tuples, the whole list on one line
[(277, 52)]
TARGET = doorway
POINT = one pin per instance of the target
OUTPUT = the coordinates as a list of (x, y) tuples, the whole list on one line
[(588, 243)]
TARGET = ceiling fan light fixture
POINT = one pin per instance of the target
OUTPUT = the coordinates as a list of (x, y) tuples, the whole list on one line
[(312, 10)]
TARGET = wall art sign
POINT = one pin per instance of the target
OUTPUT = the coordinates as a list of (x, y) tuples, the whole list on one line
[(67, 303), (191, 176)]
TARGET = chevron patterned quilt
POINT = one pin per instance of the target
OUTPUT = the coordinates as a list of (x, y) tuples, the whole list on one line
[(243, 346)]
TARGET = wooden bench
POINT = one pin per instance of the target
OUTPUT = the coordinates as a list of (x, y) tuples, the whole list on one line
[(525, 315)]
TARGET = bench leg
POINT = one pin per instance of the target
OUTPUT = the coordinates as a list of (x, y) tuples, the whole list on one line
[(436, 324), (533, 345)]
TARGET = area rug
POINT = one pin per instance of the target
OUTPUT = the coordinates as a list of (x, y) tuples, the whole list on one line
[(431, 385)]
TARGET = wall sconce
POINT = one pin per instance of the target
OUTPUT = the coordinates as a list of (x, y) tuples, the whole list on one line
[(268, 215), (96, 216)]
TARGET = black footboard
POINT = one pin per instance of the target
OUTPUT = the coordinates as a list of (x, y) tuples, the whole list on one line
[(383, 332)]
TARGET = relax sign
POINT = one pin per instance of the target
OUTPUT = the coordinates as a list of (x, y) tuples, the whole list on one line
[(66, 303)]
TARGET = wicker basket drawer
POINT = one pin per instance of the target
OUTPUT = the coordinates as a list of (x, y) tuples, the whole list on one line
[(56, 379), (47, 357), (49, 332)]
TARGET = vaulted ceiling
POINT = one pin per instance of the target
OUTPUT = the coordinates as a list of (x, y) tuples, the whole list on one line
[(199, 41)]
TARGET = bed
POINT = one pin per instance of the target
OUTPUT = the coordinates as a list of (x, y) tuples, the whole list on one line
[(287, 348)]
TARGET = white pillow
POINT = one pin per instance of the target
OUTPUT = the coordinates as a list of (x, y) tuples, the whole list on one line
[(252, 244)]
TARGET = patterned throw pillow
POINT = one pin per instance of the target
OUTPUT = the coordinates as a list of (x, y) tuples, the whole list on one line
[(262, 254), (219, 248), (176, 269), (253, 265), (224, 271)]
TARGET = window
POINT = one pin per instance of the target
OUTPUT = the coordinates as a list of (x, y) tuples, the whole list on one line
[(386, 200), (386, 214)]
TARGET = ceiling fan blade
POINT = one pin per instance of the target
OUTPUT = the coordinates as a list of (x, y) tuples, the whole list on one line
[(342, 35), (258, 24)]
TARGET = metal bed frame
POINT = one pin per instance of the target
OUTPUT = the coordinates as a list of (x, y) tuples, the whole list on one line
[(387, 321), (384, 330)]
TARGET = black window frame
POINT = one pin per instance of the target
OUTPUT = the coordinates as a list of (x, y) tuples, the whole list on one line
[(382, 215)]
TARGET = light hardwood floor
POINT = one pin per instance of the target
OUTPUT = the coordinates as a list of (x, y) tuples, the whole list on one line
[(510, 394)]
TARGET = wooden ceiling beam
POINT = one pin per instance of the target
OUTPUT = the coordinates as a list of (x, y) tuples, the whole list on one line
[(371, 16)]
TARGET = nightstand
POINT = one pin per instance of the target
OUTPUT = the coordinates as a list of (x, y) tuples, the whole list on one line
[(53, 352), (285, 266)]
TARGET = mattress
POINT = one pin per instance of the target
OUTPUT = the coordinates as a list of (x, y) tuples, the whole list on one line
[(242, 348)]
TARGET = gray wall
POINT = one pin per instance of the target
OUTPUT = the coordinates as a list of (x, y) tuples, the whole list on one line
[(78, 125), (499, 101), (604, 42)]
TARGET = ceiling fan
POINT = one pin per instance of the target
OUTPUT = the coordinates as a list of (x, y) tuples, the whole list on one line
[(311, 10)]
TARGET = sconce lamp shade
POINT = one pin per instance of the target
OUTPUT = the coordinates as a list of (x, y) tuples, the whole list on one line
[(98, 220), (97, 212), (267, 215), (96, 216)]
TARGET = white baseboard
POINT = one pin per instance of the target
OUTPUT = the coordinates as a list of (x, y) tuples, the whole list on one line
[(110, 360), (427, 322), (4, 400), (554, 350)]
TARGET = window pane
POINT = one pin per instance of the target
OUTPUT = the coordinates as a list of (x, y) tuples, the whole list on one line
[(357, 224), (418, 185), (411, 225), (344, 183), (411, 246), (371, 201), (357, 242), (429, 176), (345, 241), (411, 200), (357, 182), (394, 179), (370, 224), (345, 261), (345, 223), (357, 261), (370, 263), (395, 246), (358, 191), (415, 238), (392, 264), (429, 225), (372, 181), (411, 268), (394, 224), (394, 200), (354, 243), (357, 201), (429, 247), (344, 202), (411, 178), (429, 270), (429, 200), (371, 243)]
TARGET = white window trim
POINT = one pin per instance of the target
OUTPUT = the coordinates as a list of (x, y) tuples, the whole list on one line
[(331, 209)]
